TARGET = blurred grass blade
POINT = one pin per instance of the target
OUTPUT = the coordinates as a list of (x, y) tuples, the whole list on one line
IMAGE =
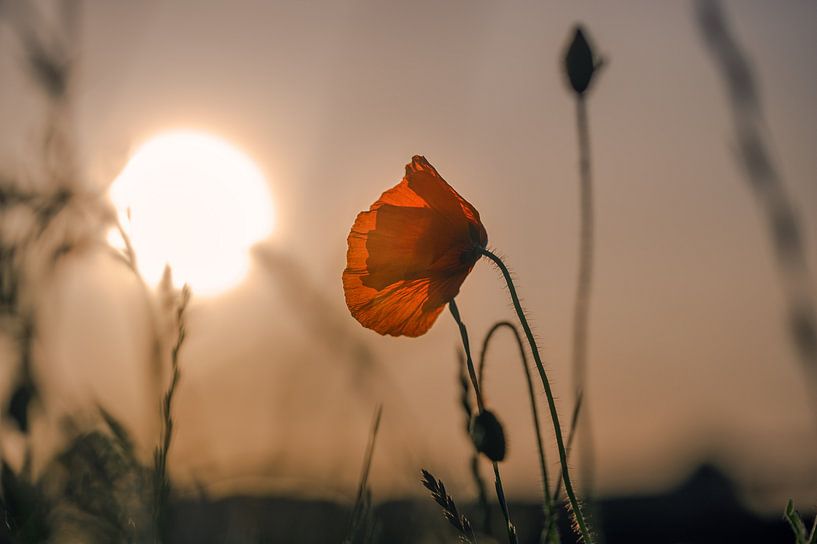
[(361, 524)]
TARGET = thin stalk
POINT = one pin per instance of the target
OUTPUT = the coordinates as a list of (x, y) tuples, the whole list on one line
[(550, 531), (482, 493), (500, 492), (766, 182), (359, 511), (479, 482), (128, 257), (162, 482), (578, 517), (581, 310), (557, 491)]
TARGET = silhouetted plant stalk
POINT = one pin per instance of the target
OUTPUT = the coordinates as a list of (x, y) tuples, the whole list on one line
[(580, 525), (485, 429), (580, 66), (360, 523), (60, 216), (476, 474), (50, 61), (127, 256), (50, 58), (26, 259), (161, 480), (550, 532), (50, 55), (765, 181)]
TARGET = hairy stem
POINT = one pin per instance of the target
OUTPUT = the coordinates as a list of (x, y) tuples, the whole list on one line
[(554, 416)]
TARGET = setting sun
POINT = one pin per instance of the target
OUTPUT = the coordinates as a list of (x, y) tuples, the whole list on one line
[(197, 203)]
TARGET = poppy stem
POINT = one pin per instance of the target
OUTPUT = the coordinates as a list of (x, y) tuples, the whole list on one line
[(554, 416), (500, 491), (581, 310), (549, 533), (466, 345), (476, 474)]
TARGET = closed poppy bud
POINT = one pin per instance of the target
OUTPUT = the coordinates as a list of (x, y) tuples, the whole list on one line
[(488, 436), (580, 62)]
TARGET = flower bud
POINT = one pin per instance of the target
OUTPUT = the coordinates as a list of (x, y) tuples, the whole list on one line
[(580, 62), (488, 436)]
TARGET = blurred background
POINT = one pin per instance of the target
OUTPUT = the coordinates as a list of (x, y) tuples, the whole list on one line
[(695, 388)]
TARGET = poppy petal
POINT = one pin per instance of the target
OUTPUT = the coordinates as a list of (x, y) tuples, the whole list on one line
[(405, 308), (406, 243), (424, 180), (410, 253)]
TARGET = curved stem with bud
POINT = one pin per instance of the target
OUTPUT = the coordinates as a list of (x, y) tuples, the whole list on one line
[(578, 517), (549, 533)]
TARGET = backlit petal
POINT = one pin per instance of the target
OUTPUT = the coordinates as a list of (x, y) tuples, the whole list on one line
[(405, 308), (410, 253)]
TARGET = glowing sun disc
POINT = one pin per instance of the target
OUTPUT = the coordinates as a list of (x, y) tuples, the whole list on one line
[(197, 203)]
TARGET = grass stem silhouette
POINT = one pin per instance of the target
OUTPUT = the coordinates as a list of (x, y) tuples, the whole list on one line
[(765, 181), (161, 481), (361, 512)]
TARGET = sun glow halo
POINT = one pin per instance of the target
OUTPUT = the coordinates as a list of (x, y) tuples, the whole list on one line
[(197, 203)]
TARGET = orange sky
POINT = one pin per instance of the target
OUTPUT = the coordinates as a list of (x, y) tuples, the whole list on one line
[(689, 357)]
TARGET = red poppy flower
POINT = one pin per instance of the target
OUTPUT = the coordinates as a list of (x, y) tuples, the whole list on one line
[(409, 254)]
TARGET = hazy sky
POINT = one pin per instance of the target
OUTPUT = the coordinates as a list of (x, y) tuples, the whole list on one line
[(689, 358)]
